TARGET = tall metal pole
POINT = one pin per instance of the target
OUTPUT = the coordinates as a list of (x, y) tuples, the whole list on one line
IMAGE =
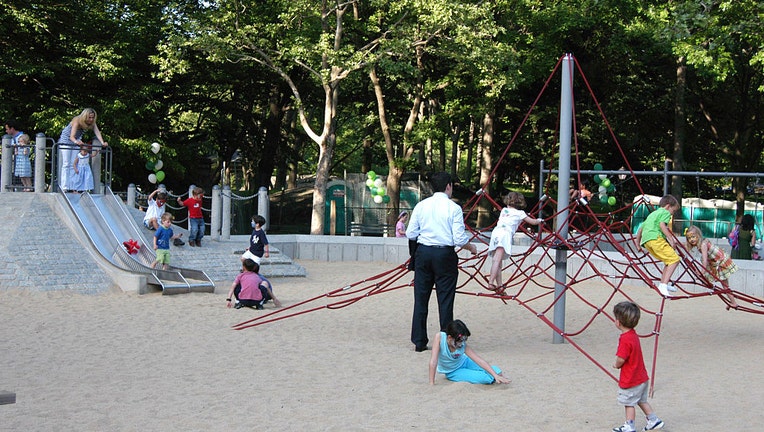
[(563, 195)]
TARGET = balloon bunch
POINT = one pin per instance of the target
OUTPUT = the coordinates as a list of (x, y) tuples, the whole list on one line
[(132, 246), (605, 186), (377, 188), (155, 165)]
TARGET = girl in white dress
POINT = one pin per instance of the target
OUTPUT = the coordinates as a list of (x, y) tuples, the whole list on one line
[(500, 246), (82, 180)]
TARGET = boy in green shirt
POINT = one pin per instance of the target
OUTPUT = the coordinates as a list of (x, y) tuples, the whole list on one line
[(655, 236)]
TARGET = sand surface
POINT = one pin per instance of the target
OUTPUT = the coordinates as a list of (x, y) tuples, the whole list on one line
[(123, 362)]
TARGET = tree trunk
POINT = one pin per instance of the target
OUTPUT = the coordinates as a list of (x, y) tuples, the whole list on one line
[(470, 152), (455, 134), (394, 192), (267, 161), (680, 127), (319, 187), (366, 160), (325, 154), (291, 182), (485, 207), (395, 170)]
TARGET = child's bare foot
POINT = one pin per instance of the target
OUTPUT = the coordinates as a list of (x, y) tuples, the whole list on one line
[(491, 287)]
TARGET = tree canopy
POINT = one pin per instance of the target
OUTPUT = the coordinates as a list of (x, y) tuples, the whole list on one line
[(262, 93)]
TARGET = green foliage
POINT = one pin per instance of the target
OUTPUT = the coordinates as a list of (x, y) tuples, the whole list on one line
[(212, 81)]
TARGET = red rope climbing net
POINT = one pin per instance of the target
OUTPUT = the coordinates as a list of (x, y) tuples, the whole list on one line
[(599, 248)]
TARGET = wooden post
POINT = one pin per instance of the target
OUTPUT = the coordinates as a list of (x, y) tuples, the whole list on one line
[(333, 217)]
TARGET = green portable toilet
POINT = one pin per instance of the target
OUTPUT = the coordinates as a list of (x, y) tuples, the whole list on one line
[(335, 193)]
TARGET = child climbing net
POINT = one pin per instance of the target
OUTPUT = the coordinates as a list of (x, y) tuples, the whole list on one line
[(598, 249)]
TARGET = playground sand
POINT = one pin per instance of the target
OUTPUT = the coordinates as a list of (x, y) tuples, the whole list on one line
[(124, 362)]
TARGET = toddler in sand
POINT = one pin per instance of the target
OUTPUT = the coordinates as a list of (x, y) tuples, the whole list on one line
[(633, 381)]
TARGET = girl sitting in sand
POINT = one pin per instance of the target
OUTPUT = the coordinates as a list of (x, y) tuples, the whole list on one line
[(452, 356)]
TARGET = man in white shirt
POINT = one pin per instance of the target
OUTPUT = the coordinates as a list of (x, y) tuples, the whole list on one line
[(437, 225)]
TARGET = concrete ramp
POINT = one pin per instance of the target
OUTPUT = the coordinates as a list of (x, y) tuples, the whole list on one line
[(107, 224)]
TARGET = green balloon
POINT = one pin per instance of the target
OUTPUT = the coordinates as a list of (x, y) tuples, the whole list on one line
[(606, 183), (373, 190), (160, 175), (371, 174), (386, 199), (611, 201), (603, 199), (150, 166), (598, 167), (597, 179)]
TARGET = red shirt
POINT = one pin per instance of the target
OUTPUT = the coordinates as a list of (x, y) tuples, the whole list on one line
[(633, 371), (194, 208)]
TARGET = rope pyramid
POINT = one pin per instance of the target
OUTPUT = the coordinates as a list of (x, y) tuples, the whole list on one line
[(599, 249)]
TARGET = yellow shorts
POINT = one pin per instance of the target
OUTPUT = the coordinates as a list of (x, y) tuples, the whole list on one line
[(659, 248)]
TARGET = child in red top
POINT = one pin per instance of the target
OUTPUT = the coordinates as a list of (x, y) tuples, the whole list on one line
[(633, 382), (195, 217)]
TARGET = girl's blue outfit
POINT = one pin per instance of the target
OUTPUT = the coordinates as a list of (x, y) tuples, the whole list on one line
[(460, 368), (83, 179)]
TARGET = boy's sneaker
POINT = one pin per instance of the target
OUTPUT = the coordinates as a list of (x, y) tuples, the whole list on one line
[(671, 287), (663, 289), (653, 425), (624, 428)]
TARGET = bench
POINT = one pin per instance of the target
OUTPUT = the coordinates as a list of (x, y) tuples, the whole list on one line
[(377, 230)]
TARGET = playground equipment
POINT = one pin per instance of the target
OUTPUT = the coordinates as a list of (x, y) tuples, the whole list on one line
[(561, 264), (108, 226)]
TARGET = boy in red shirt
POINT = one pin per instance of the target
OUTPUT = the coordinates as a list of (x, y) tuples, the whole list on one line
[(633, 382), (195, 217)]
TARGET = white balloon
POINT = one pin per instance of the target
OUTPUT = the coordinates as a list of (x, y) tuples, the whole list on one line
[(158, 165), (152, 178), (378, 182), (378, 199), (155, 147), (601, 190)]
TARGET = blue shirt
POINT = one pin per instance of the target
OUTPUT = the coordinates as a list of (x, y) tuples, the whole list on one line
[(449, 361), (437, 221), (163, 236), (65, 134)]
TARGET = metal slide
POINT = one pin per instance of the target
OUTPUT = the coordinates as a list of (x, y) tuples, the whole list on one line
[(108, 224)]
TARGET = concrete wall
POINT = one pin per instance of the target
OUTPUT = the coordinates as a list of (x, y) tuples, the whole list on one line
[(342, 248)]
